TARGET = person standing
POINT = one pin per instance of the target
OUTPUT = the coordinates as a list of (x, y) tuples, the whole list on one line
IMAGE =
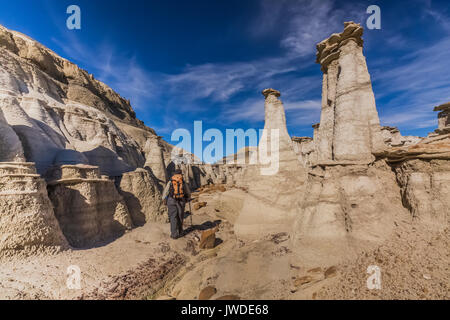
[(175, 195)]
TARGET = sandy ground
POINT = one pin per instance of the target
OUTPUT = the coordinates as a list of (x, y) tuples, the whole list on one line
[(146, 264)]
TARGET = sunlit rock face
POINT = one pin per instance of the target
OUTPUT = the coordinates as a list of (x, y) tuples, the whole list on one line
[(350, 198), (10, 145), (274, 188), (54, 106), (349, 125)]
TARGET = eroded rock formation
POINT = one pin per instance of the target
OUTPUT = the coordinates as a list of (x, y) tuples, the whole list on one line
[(349, 125), (87, 205), (27, 221), (155, 159), (393, 138), (443, 118), (54, 106), (344, 187), (10, 145), (365, 176), (272, 200), (141, 193)]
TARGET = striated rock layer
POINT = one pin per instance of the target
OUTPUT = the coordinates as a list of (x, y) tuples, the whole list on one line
[(27, 221)]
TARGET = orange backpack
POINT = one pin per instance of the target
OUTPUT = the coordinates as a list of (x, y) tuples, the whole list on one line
[(177, 188)]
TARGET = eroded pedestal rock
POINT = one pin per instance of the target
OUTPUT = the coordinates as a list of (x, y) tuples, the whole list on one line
[(87, 205), (443, 118), (27, 221), (271, 203), (349, 125)]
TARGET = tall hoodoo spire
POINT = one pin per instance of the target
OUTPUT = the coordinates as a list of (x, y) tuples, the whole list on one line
[(349, 125)]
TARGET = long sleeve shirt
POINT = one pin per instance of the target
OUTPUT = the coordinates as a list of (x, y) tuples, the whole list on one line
[(187, 190)]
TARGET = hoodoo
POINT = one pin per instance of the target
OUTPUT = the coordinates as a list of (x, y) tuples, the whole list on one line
[(350, 196), (349, 124), (273, 187)]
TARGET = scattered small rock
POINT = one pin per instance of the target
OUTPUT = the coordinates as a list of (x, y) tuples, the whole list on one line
[(208, 239), (330, 272), (207, 293), (200, 205), (279, 237), (315, 270), (303, 280), (164, 247)]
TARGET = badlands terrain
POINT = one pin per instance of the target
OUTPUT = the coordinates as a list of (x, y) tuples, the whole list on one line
[(81, 180)]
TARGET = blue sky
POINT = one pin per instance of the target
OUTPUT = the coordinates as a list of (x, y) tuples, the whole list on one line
[(181, 61)]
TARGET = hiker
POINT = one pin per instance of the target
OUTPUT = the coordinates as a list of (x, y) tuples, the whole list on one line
[(175, 195)]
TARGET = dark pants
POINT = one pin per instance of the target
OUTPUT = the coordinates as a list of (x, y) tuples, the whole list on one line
[(176, 216)]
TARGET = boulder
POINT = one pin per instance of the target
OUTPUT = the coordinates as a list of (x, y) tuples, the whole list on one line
[(207, 293), (208, 239)]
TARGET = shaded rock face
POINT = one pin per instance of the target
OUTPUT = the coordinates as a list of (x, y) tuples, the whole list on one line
[(142, 197), (88, 207), (54, 106), (349, 125), (27, 220)]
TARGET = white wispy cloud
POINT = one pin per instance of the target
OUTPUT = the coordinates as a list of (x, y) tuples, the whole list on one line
[(413, 84), (300, 112), (303, 23), (417, 85), (121, 72)]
